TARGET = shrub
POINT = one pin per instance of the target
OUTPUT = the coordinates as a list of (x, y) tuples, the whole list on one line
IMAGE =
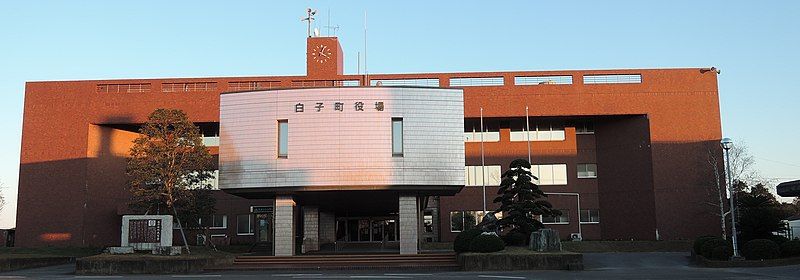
[(790, 249), (761, 249), (722, 253), (462, 242), (778, 239), (486, 243), (708, 246), (515, 239), (698, 242)]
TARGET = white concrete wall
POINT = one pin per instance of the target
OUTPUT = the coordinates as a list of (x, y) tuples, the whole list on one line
[(342, 148), (310, 228), (284, 225), (409, 224)]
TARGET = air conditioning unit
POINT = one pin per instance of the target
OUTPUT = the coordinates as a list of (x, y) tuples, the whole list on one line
[(575, 237), (201, 240)]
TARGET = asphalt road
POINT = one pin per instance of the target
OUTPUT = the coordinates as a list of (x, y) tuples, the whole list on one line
[(597, 266)]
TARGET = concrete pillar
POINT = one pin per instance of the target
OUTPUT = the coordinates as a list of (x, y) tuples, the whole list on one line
[(310, 228), (409, 225), (327, 227), (284, 225)]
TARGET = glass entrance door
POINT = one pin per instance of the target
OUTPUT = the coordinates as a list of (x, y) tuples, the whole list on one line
[(264, 227)]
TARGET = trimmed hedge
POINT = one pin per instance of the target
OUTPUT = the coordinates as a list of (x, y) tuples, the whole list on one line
[(486, 243), (698, 242), (708, 247), (790, 249), (721, 253), (515, 239), (464, 239), (778, 239), (761, 249)]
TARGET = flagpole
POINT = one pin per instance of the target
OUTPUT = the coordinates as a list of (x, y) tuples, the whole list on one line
[(483, 166), (528, 132)]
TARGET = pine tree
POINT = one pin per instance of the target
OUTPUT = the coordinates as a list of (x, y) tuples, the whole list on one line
[(522, 200)]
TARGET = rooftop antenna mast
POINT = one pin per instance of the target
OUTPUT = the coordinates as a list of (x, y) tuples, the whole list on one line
[(329, 26), (366, 73), (309, 19)]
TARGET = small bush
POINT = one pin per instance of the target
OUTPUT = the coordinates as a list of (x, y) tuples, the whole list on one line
[(486, 243), (515, 239), (778, 239), (708, 246), (698, 242), (761, 249), (722, 253), (790, 249), (464, 239)]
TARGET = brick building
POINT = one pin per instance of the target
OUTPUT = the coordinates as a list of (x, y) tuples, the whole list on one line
[(622, 152)]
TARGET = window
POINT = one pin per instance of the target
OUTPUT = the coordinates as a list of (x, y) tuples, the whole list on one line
[(562, 219), (612, 79), (122, 88), (587, 170), (251, 85), (479, 81), (397, 137), (283, 138), (423, 82), (219, 222), (550, 174), (427, 221), (539, 132), (542, 80), (244, 224), (584, 128), (472, 131), (474, 176), (464, 220), (198, 86), (590, 216)]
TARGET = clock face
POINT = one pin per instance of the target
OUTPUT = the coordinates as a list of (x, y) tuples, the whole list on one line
[(321, 53)]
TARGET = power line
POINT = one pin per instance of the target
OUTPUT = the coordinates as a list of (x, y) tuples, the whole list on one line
[(779, 162)]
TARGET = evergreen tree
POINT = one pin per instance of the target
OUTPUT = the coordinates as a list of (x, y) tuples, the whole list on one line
[(521, 200), (760, 214)]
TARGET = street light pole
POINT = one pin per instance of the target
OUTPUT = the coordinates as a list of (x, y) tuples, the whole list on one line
[(726, 144)]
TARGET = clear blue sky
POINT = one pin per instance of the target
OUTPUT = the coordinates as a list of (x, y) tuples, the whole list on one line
[(756, 44)]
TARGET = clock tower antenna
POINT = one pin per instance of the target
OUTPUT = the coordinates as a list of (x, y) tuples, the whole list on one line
[(309, 19)]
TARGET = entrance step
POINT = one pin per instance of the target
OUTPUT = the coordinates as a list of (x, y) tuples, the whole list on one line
[(438, 261)]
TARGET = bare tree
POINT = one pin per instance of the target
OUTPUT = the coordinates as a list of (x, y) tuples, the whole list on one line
[(742, 165), (2, 197)]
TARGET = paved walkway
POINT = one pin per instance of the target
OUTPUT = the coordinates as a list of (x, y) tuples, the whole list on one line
[(598, 266)]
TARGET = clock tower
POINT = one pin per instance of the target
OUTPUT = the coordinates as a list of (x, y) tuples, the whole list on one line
[(324, 57)]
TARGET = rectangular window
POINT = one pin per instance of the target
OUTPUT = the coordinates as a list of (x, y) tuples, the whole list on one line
[(587, 170), (562, 219), (283, 138), (584, 128), (550, 174), (456, 221), (406, 82), (539, 132), (219, 222), (397, 137), (478, 81), (474, 175), (244, 224), (590, 216), (179, 87), (613, 79), (122, 88), (427, 221), (542, 80), (464, 220)]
